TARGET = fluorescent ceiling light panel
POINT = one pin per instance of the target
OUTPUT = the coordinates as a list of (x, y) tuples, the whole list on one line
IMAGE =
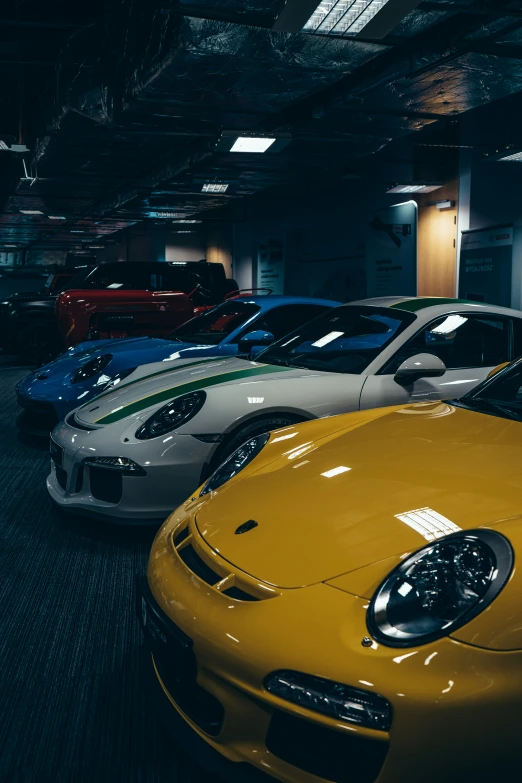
[(3, 145), (56, 217), (31, 212), (349, 18), (166, 215), (516, 157), (413, 188), (11, 246), (178, 222), (342, 17), (215, 187), (251, 144)]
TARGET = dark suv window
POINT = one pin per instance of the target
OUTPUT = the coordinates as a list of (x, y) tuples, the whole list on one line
[(139, 277), (460, 340)]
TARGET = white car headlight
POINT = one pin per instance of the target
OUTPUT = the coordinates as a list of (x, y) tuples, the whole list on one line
[(235, 463), (172, 415), (440, 588)]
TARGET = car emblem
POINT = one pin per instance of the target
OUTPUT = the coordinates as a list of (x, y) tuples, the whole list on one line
[(246, 526)]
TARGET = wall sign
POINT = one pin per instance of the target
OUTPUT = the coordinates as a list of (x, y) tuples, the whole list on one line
[(271, 265), (485, 268), (391, 251)]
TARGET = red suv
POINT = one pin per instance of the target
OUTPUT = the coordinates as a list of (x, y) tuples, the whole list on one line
[(135, 299)]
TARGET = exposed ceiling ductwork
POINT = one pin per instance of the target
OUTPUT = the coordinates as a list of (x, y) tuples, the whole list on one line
[(137, 101)]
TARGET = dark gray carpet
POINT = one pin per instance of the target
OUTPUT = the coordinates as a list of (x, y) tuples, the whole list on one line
[(71, 708)]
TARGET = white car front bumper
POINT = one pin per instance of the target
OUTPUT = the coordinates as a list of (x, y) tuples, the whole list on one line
[(172, 466)]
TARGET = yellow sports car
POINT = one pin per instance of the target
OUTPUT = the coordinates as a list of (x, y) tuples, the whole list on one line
[(341, 601)]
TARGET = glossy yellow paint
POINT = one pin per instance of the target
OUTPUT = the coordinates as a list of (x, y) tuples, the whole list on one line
[(328, 497), (498, 368)]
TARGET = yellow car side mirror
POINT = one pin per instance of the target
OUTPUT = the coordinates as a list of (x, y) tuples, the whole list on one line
[(496, 369)]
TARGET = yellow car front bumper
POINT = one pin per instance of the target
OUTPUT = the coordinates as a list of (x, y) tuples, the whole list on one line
[(456, 708)]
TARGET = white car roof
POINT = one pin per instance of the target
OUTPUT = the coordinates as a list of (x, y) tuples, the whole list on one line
[(431, 306)]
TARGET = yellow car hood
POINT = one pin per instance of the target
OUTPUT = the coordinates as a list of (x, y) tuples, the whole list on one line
[(347, 492)]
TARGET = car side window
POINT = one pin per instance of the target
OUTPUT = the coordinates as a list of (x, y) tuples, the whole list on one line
[(517, 337), (283, 320), (461, 341)]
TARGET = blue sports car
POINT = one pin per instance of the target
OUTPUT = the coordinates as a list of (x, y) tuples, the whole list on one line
[(239, 325)]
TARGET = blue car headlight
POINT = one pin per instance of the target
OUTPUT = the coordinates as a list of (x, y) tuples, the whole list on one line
[(91, 368), (235, 463), (440, 588), (172, 415)]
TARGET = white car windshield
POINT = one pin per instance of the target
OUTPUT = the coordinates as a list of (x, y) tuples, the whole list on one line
[(344, 340)]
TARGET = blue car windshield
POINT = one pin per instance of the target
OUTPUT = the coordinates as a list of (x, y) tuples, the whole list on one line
[(345, 340), (212, 327)]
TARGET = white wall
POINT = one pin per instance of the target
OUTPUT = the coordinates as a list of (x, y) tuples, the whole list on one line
[(185, 247), (324, 231)]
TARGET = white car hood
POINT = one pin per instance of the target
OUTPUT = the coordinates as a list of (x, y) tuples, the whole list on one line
[(152, 386)]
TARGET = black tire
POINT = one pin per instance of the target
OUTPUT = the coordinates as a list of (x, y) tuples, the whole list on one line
[(237, 438), (38, 342)]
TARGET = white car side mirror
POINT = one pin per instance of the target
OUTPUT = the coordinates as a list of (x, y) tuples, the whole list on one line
[(422, 365)]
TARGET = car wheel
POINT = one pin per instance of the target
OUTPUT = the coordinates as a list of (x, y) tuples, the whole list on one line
[(237, 438), (38, 343)]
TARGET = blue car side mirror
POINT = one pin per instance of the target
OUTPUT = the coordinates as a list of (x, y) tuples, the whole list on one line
[(253, 342)]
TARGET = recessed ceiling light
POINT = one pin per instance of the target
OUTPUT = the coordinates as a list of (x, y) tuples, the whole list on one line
[(31, 212), (350, 17), (215, 187), (413, 188), (166, 215), (184, 232), (515, 157), (252, 144), (56, 217)]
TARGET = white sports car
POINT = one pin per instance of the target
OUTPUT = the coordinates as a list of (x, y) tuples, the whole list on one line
[(139, 449)]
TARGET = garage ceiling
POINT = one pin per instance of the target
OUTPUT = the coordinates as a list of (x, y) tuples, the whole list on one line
[(124, 103)]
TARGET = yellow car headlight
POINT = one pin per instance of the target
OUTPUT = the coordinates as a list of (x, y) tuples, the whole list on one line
[(440, 588)]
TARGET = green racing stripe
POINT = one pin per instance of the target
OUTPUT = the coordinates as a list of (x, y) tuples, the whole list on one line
[(162, 372), (413, 305), (184, 388)]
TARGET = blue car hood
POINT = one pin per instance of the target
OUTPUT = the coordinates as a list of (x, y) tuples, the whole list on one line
[(52, 382)]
